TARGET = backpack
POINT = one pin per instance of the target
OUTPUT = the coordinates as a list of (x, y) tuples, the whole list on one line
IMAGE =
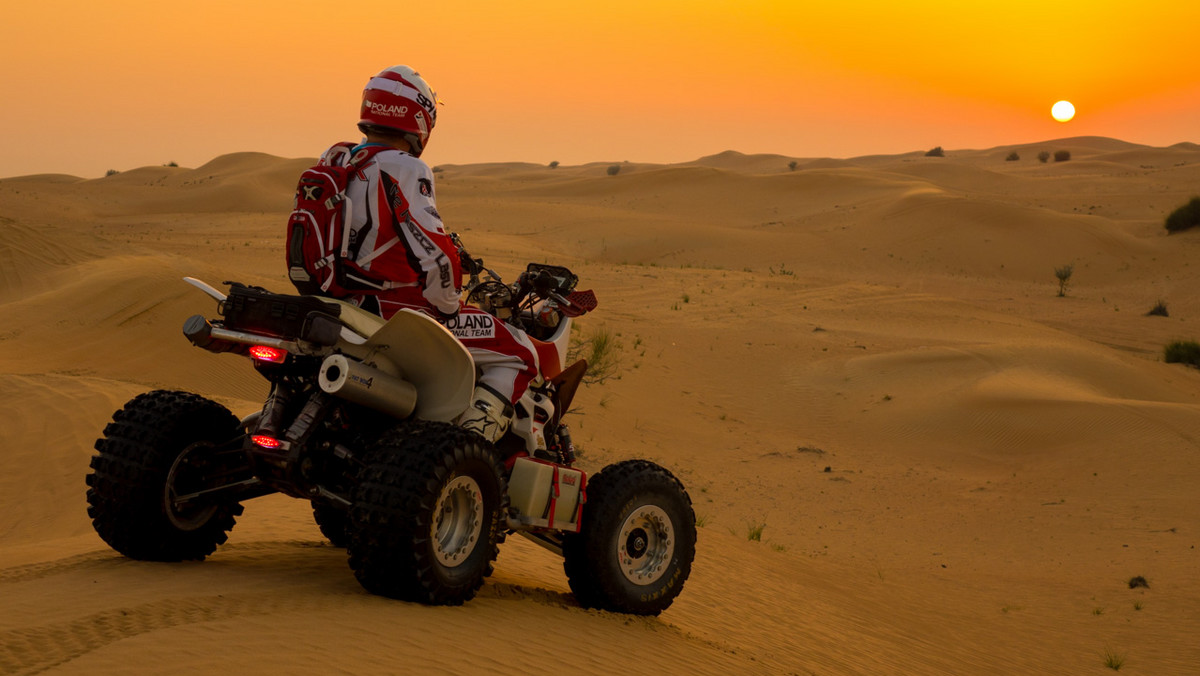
[(320, 258)]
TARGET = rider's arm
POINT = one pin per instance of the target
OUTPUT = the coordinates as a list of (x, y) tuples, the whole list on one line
[(408, 183)]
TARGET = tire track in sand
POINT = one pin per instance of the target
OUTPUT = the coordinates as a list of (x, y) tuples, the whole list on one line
[(105, 557), (34, 571), (38, 647), (34, 649)]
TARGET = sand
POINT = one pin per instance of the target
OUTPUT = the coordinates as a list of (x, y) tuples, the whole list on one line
[(952, 470)]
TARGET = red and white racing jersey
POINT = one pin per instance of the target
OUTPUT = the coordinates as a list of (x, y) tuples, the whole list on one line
[(397, 233)]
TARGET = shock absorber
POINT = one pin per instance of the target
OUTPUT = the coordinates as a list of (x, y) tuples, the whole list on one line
[(566, 449), (306, 422), (273, 411)]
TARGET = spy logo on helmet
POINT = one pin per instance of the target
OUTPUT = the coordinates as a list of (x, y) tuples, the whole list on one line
[(426, 186), (311, 192)]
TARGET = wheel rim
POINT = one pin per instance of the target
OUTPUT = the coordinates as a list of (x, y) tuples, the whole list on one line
[(184, 477), (645, 544), (458, 521)]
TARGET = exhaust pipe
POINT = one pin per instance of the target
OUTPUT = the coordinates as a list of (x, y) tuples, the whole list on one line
[(200, 333), (354, 381)]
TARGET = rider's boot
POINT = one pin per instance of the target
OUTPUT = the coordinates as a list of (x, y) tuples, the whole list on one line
[(489, 414)]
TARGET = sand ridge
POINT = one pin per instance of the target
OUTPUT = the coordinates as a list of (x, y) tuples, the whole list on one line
[(954, 469)]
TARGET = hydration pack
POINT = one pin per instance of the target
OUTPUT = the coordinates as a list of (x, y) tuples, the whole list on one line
[(319, 256)]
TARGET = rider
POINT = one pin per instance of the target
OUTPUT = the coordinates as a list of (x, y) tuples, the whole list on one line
[(396, 228)]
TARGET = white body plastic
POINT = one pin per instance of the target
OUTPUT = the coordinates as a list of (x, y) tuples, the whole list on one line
[(533, 407)]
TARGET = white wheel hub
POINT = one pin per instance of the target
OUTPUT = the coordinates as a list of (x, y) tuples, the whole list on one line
[(645, 544), (458, 521)]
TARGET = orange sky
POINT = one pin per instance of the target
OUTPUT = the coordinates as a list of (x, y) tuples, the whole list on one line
[(91, 86)]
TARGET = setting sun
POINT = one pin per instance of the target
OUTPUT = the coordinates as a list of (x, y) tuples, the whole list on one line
[(1063, 111)]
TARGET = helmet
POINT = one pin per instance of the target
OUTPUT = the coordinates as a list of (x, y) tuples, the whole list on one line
[(397, 100)]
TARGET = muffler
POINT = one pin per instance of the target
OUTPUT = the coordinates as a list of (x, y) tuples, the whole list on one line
[(200, 333), (355, 381)]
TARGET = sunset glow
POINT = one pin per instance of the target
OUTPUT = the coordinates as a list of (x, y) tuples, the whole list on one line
[(93, 86)]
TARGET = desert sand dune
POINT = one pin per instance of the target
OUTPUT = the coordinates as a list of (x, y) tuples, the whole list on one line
[(908, 454)]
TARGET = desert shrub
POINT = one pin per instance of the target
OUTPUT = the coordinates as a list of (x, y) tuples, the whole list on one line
[(1113, 660), (171, 164), (754, 531), (1186, 216), (554, 164), (1159, 310), (793, 164), (935, 152), (1044, 156), (1012, 157), (111, 172), (601, 349), (614, 169), (1182, 352), (1063, 274), (1062, 155)]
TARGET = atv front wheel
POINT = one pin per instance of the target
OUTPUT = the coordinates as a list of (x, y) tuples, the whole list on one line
[(637, 540), (427, 514), (161, 447)]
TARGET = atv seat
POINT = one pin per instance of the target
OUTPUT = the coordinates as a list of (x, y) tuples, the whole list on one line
[(360, 321)]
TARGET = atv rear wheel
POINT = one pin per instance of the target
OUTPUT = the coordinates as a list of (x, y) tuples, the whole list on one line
[(637, 541), (332, 521), (160, 447), (427, 514)]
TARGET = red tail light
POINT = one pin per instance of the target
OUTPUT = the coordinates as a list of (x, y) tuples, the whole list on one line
[(265, 441), (271, 354)]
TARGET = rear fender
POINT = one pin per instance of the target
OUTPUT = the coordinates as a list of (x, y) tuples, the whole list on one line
[(413, 346)]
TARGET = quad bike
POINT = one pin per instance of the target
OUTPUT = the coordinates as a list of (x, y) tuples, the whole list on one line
[(358, 421)]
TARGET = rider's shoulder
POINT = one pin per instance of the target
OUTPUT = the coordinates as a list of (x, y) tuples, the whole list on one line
[(399, 162)]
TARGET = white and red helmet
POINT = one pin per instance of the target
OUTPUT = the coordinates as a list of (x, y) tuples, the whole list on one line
[(398, 100)]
